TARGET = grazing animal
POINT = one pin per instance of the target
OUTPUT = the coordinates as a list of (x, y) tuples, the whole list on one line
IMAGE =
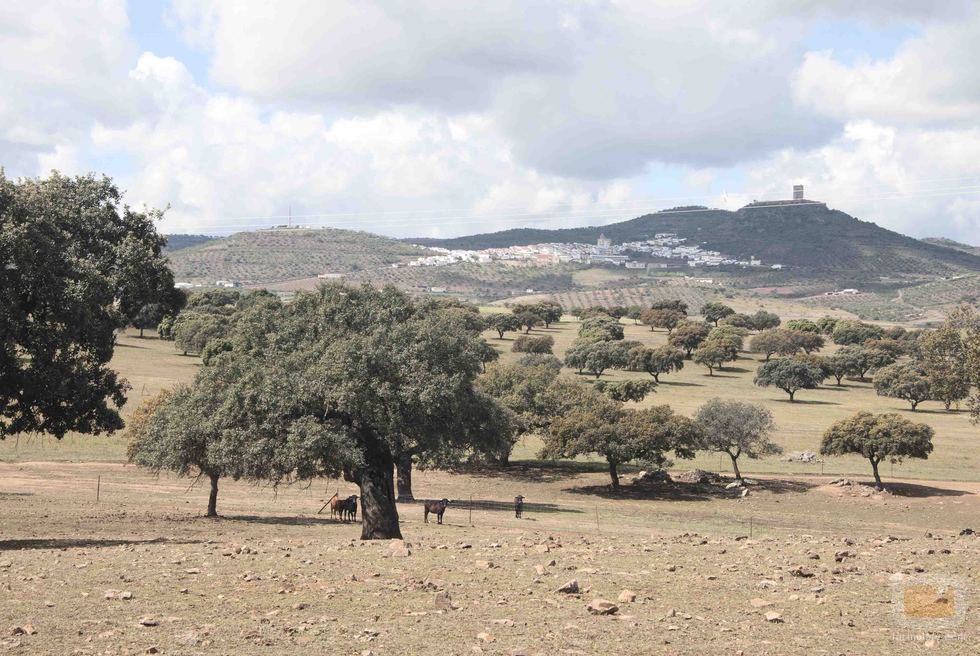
[(518, 507), (349, 511), (436, 507), (336, 506)]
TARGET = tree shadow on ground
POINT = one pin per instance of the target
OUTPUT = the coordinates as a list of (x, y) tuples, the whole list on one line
[(537, 471), (678, 491), (809, 402), (283, 520), (132, 346), (82, 543), (736, 370), (927, 411), (495, 505), (679, 383), (916, 491)]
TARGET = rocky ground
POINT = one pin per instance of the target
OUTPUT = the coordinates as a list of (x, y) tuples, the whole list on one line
[(141, 572)]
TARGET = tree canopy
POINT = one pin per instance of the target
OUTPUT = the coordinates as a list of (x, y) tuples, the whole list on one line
[(655, 361), (356, 377), (75, 265), (736, 428), (877, 437), (689, 336), (587, 421), (855, 332), (909, 382), (789, 375), (714, 311)]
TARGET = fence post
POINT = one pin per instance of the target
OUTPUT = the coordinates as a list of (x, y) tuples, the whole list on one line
[(750, 527), (597, 517), (98, 488), (471, 510)]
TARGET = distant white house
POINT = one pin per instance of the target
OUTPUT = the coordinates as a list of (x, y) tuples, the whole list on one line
[(226, 283), (183, 285), (329, 276)]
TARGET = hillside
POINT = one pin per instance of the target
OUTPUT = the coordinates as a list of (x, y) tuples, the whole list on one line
[(277, 255), (180, 242), (951, 243), (808, 239)]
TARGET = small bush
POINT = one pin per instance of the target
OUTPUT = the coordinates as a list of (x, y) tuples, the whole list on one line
[(529, 344)]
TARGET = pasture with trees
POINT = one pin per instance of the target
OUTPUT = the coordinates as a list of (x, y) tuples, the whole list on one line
[(689, 336), (655, 361), (714, 312), (586, 421), (789, 375), (503, 322), (909, 382), (878, 437), (529, 344), (736, 428)]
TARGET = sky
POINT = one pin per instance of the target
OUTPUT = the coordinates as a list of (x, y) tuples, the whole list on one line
[(439, 118)]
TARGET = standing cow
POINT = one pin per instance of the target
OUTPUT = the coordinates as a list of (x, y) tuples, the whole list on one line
[(436, 507), (518, 507)]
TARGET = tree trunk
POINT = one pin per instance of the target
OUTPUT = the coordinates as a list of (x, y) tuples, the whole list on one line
[(404, 474), (839, 378), (874, 468), (711, 371), (656, 378), (914, 403), (948, 404), (791, 394), (738, 474), (141, 332), (614, 476), (213, 497), (379, 515)]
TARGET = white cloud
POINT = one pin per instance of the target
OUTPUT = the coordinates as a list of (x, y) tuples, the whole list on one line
[(222, 161), (62, 66)]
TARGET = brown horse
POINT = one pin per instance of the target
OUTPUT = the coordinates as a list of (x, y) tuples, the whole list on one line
[(336, 506)]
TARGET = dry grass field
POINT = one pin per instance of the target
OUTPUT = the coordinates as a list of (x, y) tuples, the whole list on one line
[(138, 569)]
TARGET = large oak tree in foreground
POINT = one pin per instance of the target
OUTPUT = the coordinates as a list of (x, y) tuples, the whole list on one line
[(878, 437), (75, 266), (346, 379)]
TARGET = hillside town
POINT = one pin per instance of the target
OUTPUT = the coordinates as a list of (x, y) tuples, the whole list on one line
[(663, 251)]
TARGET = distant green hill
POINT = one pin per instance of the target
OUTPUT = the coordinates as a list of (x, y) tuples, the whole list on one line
[(178, 242), (275, 255), (807, 238)]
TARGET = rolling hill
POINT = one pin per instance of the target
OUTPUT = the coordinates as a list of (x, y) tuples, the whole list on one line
[(808, 239), (266, 256), (180, 242)]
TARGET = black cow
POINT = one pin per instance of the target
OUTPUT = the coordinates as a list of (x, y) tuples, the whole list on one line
[(437, 507), (349, 509)]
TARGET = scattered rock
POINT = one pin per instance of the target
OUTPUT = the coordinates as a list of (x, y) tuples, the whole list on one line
[(443, 601), (149, 621), (733, 485), (773, 616), (484, 564), (627, 596), (542, 548), (503, 622), (569, 588), (966, 531), (485, 637), (26, 629), (841, 556), (602, 607), (758, 602), (801, 573), (697, 476), (655, 476)]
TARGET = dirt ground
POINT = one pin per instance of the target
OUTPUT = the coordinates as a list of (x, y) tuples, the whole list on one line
[(839, 570)]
